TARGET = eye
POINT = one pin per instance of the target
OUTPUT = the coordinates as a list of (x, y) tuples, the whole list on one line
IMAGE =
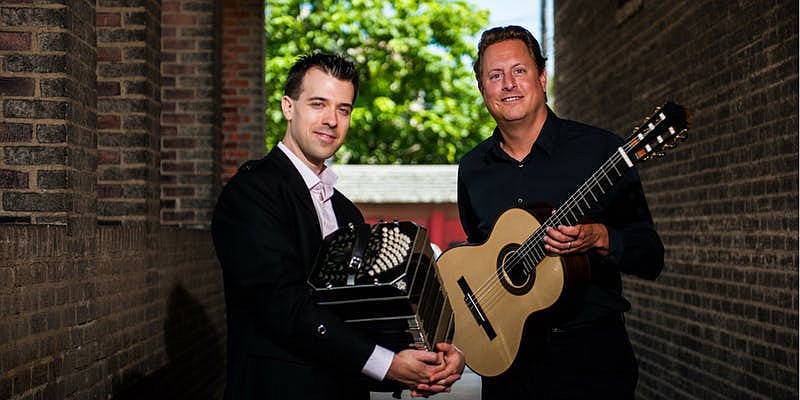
[(519, 71), (345, 111), (493, 76), (316, 104)]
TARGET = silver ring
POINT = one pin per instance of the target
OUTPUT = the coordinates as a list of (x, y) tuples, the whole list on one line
[(570, 245)]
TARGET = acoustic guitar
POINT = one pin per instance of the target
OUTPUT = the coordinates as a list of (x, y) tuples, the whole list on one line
[(494, 287)]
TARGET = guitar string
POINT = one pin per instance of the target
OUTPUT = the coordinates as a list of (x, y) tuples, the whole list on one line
[(489, 291)]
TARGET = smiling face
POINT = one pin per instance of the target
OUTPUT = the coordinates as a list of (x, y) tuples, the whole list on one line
[(318, 120), (512, 86)]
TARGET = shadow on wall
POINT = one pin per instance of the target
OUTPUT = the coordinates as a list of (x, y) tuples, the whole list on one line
[(195, 369)]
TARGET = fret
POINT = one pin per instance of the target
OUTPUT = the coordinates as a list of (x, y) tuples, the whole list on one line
[(531, 252)]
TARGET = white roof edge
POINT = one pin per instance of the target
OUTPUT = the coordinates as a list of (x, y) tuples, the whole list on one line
[(398, 183)]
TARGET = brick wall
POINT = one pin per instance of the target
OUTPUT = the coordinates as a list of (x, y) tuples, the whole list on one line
[(128, 114), (243, 90), (47, 116), (721, 322), (190, 121), (143, 319), (97, 299)]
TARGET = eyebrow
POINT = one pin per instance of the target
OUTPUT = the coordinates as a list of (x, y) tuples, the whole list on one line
[(324, 99)]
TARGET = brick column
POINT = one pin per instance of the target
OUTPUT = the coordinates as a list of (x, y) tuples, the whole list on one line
[(243, 90), (47, 189), (47, 113), (128, 110), (190, 119)]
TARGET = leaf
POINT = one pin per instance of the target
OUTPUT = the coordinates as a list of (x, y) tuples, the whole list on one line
[(418, 102)]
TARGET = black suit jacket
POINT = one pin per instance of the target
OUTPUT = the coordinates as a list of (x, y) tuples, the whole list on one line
[(280, 344)]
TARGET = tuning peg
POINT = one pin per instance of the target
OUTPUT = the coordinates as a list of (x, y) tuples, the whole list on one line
[(682, 135)]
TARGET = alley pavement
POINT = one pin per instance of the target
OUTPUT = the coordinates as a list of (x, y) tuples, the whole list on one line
[(467, 388)]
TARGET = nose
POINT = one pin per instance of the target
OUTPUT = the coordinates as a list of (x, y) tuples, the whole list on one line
[(330, 118), (509, 81)]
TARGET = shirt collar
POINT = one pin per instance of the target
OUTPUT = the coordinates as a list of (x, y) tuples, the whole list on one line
[(545, 142), (327, 177)]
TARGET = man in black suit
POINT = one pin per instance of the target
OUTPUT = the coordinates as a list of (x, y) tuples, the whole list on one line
[(267, 228)]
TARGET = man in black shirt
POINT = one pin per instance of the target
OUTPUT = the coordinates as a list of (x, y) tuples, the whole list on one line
[(533, 158)]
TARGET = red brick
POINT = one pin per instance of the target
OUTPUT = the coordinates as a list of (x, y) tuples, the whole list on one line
[(178, 69), (108, 122), (109, 54), (177, 44), (16, 86), (106, 157), (179, 19), (15, 41), (177, 118), (109, 19), (15, 132), (178, 143), (11, 179)]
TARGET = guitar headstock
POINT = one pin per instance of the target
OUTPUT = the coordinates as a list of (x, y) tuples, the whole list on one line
[(661, 131)]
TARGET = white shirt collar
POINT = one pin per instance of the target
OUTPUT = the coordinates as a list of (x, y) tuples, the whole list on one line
[(327, 176)]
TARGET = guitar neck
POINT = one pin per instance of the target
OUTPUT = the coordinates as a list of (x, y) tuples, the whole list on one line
[(577, 205), (591, 192)]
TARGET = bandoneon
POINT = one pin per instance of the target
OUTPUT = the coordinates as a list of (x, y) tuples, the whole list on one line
[(382, 279)]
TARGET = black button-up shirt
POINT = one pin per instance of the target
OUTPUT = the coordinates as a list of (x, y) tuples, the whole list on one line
[(564, 156)]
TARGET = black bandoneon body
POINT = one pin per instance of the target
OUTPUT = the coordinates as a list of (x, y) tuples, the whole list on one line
[(382, 279)]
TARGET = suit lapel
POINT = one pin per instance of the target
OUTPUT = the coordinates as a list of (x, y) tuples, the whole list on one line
[(299, 191)]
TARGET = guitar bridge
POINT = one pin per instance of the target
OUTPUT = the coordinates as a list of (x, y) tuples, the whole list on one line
[(475, 309)]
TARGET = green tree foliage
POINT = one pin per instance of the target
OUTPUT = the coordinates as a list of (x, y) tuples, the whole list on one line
[(418, 102)]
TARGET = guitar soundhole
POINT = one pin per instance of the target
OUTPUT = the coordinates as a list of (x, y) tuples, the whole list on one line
[(513, 275)]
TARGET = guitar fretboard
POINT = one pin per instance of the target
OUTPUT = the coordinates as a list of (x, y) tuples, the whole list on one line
[(531, 252)]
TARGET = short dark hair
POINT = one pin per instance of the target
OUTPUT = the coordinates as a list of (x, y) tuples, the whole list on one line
[(332, 64), (503, 33)]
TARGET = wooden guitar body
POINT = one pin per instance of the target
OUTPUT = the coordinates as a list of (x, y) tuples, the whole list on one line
[(491, 302)]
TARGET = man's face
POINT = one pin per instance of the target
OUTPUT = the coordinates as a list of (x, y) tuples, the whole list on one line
[(318, 120), (513, 87)]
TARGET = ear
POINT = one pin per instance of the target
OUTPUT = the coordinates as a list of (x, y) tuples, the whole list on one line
[(543, 80), (287, 106)]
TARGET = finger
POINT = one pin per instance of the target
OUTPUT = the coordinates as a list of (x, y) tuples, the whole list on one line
[(444, 375), (427, 357), (448, 380), (557, 237), (433, 389), (556, 246), (430, 389), (572, 231)]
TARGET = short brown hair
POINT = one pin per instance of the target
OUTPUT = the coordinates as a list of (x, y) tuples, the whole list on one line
[(503, 33), (333, 65)]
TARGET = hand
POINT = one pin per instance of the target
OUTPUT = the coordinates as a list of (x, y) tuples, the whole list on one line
[(576, 239), (444, 379), (414, 367)]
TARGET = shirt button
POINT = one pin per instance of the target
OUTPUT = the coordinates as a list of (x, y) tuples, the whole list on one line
[(521, 165), (519, 200), (322, 330)]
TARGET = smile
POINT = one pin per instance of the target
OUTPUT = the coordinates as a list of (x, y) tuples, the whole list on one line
[(326, 136), (513, 98)]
